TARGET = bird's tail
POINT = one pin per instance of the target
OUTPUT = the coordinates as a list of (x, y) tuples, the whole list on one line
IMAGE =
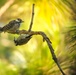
[(1, 29)]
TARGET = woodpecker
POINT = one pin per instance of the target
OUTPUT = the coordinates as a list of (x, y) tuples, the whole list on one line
[(22, 39), (12, 26)]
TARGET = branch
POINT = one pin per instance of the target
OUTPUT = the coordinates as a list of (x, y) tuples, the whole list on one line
[(21, 41), (52, 51), (31, 18), (25, 36), (6, 6)]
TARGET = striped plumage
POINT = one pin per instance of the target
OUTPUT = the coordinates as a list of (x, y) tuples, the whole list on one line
[(12, 25), (22, 39)]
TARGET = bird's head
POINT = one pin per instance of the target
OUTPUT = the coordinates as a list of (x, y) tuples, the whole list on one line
[(19, 20)]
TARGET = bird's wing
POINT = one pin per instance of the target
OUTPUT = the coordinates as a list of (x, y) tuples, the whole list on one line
[(9, 25)]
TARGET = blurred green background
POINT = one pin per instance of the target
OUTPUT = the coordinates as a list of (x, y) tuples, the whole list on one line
[(34, 58)]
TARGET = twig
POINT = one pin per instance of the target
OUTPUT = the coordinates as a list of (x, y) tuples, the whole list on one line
[(31, 33), (51, 49), (6, 6), (26, 36), (31, 23)]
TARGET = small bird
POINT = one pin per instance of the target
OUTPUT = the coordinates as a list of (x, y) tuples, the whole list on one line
[(12, 26), (22, 39)]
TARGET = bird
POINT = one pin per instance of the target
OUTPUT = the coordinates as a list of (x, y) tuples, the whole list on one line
[(12, 26), (22, 39)]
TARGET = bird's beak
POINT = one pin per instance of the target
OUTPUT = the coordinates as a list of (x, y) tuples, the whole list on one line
[(22, 21)]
